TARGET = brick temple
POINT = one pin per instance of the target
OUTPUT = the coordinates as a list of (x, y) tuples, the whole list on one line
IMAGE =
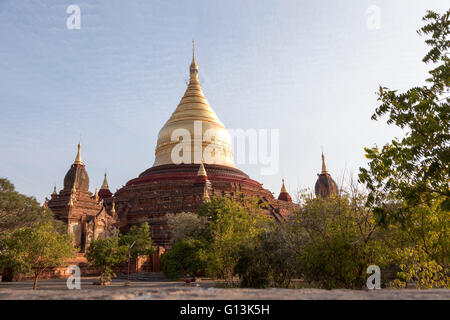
[(169, 186)]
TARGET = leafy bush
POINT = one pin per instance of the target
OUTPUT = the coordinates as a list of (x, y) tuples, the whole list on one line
[(271, 259), (418, 268), (103, 254), (408, 179), (185, 225), (230, 225), (185, 257), (18, 211), (32, 250), (253, 268), (339, 240), (141, 238)]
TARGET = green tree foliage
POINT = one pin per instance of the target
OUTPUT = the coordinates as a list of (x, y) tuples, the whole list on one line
[(426, 230), (141, 237), (32, 250), (215, 237), (103, 254), (186, 225), (419, 247), (408, 179), (231, 224), (271, 259), (415, 169), (185, 257), (18, 211), (338, 240), (416, 267)]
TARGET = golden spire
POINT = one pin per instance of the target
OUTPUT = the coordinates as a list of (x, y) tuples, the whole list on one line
[(96, 194), (104, 184), (78, 157), (113, 208), (283, 188), (201, 170), (324, 167), (54, 191), (194, 112), (193, 69)]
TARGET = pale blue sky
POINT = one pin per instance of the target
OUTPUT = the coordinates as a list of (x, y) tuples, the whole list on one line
[(308, 68)]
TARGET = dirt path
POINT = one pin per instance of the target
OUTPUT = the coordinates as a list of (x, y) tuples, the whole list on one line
[(56, 289)]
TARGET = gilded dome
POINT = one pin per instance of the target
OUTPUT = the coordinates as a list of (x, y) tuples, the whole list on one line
[(194, 133)]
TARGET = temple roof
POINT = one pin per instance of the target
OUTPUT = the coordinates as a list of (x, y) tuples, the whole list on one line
[(77, 176), (325, 185)]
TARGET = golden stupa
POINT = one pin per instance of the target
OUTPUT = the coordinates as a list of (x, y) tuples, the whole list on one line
[(208, 139)]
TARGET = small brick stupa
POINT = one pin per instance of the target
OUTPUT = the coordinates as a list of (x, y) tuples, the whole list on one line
[(325, 185)]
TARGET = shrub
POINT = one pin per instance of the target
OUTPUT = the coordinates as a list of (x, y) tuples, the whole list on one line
[(32, 250), (231, 224), (103, 254), (271, 259), (418, 268), (141, 238), (186, 256), (185, 225), (253, 268), (339, 242)]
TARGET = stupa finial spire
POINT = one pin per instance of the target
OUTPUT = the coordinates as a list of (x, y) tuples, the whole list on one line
[(324, 167), (194, 67), (201, 170), (283, 187), (78, 159), (105, 185)]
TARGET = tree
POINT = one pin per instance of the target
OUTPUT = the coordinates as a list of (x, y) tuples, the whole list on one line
[(185, 257), (415, 170), (18, 211), (418, 248), (32, 250), (213, 239), (272, 258), (141, 238), (185, 225), (339, 240), (408, 179), (231, 223), (103, 254)]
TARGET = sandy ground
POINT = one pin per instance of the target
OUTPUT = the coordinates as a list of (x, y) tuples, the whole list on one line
[(57, 290)]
